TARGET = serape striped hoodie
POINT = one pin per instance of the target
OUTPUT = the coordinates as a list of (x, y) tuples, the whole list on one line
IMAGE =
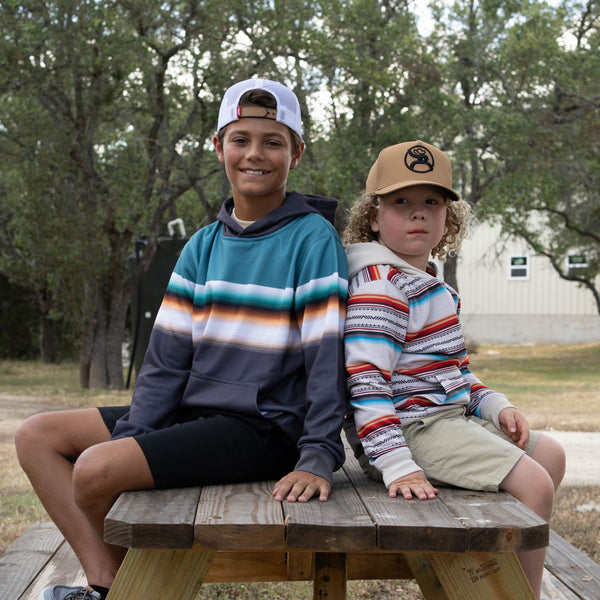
[(252, 322), (405, 355)]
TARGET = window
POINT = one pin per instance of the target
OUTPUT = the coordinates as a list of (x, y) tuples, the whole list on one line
[(576, 262), (519, 267)]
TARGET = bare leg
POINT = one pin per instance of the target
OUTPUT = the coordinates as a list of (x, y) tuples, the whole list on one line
[(551, 455), (49, 446), (101, 473), (530, 483)]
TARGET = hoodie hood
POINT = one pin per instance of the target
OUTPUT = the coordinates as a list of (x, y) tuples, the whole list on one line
[(373, 253), (294, 205)]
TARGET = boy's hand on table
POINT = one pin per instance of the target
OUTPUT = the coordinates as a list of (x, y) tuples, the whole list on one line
[(414, 483), (515, 425), (301, 486)]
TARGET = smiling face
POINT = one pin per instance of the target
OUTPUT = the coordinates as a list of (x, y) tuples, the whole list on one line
[(258, 155), (411, 222)]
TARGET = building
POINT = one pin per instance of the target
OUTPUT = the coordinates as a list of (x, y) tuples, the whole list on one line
[(509, 295)]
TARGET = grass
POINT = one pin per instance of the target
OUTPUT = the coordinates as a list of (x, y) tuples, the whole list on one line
[(556, 387), (54, 385)]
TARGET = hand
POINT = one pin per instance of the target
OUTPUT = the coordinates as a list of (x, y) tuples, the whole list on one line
[(515, 425), (414, 483), (301, 486)]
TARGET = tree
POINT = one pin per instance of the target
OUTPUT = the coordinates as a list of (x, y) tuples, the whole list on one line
[(485, 74), (379, 86), (107, 111), (549, 194), (104, 138)]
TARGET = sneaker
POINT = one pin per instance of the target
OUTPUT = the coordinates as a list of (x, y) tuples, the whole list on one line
[(63, 592)]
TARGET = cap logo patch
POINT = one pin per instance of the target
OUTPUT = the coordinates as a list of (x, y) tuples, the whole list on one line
[(419, 160), (257, 112)]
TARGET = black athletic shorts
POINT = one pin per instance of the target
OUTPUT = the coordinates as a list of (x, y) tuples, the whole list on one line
[(204, 448)]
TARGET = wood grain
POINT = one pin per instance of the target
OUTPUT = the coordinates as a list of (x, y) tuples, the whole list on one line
[(153, 519), (240, 516)]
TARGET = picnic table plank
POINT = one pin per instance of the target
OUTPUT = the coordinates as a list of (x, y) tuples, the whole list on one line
[(259, 565), (377, 565), (153, 519), (64, 566), (576, 570), (514, 527), (340, 524), (407, 525), (554, 589), (241, 516), (26, 557)]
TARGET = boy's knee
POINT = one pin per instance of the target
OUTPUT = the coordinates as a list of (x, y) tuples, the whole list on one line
[(29, 436), (551, 455), (531, 483), (558, 463), (541, 496), (91, 477)]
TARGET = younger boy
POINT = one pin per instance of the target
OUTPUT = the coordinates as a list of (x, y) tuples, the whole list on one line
[(244, 376), (419, 412)]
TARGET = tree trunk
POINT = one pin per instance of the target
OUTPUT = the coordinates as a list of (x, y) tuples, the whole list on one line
[(98, 367), (450, 272), (47, 339), (100, 363), (114, 338)]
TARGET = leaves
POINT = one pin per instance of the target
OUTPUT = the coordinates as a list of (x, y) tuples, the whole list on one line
[(107, 111)]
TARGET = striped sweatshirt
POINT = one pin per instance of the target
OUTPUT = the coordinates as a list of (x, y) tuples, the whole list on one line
[(405, 355), (252, 322)]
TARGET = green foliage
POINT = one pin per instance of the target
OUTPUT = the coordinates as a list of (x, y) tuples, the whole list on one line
[(18, 323), (107, 112), (549, 192)]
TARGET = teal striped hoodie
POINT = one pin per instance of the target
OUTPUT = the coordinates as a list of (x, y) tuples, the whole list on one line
[(252, 322)]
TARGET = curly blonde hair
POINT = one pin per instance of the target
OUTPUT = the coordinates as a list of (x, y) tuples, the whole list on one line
[(458, 218)]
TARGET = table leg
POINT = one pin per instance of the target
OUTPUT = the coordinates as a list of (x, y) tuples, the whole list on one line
[(157, 574), (470, 576), (425, 575), (330, 576)]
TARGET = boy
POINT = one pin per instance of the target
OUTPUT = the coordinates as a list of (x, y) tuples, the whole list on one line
[(420, 414), (243, 377)]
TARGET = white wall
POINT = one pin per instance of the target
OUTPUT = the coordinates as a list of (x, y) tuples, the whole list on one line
[(542, 309)]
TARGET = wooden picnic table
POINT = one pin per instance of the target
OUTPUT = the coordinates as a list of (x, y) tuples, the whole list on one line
[(461, 545)]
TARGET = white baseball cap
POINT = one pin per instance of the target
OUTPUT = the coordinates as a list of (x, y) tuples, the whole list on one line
[(287, 111)]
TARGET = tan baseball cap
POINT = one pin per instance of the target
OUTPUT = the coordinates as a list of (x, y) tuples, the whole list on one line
[(410, 163)]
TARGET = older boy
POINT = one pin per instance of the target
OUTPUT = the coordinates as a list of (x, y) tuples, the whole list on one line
[(243, 377)]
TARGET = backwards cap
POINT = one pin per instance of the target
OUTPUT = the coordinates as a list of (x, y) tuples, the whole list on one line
[(287, 111), (407, 164)]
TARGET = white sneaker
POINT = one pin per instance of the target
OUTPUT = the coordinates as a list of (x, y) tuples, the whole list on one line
[(63, 592)]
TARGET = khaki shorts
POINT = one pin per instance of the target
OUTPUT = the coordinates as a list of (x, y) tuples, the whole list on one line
[(453, 449)]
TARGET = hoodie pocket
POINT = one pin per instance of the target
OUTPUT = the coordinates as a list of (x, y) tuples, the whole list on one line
[(203, 390), (453, 383)]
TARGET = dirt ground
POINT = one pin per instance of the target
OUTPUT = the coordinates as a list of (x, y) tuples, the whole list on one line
[(14, 409)]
